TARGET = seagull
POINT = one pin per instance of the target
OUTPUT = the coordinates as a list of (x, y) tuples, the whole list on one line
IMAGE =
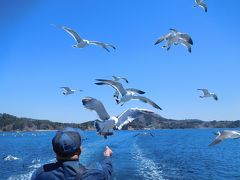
[(176, 37), (176, 40), (165, 37), (130, 91), (125, 95), (144, 134), (116, 78), (226, 134), (183, 36), (106, 123), (201, 4), (206, 93), (81, 43), (68, 91)]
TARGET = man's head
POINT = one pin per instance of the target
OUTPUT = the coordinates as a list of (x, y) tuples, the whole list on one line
[(67, 143)]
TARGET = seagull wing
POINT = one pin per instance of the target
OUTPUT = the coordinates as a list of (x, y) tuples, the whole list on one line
[(235, 135), (174, 30), (203, 6), (135, 91), (103, 45), (198, 1), (186, 37), (165, 37), (73, 34), (130, 115), (115, 78), (97, 106), (216, 141), (66, 88), (186, 44), (215, 97), (151, 134), (116, 85), (125, 79), (205, 91), (228, 134), (146, 100)]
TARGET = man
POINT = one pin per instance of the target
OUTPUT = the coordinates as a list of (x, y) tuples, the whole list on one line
[(67, 146)]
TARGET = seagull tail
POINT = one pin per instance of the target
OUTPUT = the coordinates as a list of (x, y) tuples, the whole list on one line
[(98, 126)]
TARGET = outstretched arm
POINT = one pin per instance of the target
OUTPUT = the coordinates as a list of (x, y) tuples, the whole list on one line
[(107, 164), (100, 171)]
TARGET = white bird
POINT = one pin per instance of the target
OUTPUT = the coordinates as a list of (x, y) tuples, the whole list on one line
[(165, 37), (125, 95), (176, 37), (130, 91), (226, 134), (201, 4), (81, 43), (117, 78), (176, 40), (68, 91), (183, 36), (107, 123), (143, 134), (206, 94)]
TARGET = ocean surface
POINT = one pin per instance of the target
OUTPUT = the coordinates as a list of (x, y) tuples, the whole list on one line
[(169, 154)]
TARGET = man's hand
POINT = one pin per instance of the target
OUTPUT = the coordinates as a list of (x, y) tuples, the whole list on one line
[(108, 152)]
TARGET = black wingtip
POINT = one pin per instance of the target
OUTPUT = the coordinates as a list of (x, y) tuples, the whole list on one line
[(99, 83), (100, 79)]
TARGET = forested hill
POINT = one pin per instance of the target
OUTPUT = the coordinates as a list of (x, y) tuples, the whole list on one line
[(12, 123)]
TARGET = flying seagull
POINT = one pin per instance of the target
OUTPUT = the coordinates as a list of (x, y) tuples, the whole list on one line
[(176, 37), (143, 134), (81, 43), (129, 90), (117, 78), (125, 95), (206, 93), (106, 123), (176, 40), (201, 4), (226, 134), (183, 36), (68, 91)]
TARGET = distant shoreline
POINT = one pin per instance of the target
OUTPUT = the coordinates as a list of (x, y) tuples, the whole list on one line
[(10, 123)]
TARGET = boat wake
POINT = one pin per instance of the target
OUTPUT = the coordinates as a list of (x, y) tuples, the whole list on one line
[(147, 167)]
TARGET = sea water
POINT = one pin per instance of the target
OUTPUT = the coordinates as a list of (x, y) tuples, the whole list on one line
[(169, 154)]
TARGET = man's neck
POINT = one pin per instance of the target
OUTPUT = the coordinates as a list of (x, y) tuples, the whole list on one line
[(72, 158)]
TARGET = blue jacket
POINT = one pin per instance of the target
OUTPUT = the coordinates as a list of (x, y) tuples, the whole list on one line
[(62, 170)]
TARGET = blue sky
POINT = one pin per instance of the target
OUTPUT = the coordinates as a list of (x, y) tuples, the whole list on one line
[(37, 58)]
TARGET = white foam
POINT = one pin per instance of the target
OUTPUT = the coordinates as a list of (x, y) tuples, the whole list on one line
[(22, 176), (10, 158), (147, 167)]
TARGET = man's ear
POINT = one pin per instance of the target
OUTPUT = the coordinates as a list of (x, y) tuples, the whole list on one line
[(80, 150)]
